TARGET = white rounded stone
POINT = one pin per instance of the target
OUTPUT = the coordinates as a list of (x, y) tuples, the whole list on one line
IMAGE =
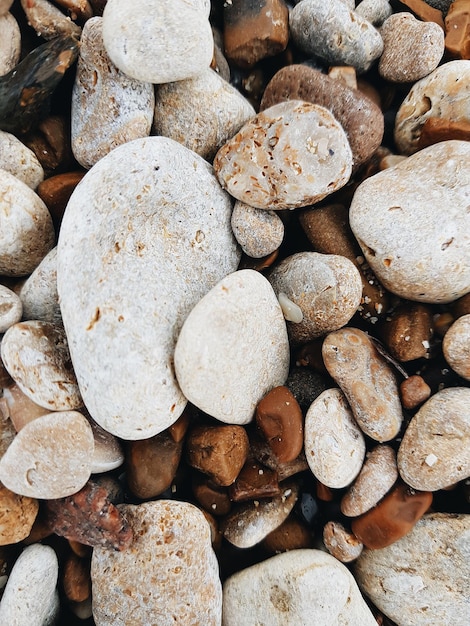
[(10, 43), (11, 308), (39, 292), (19, 160), (258, 232), (456, 346), (108, 453)]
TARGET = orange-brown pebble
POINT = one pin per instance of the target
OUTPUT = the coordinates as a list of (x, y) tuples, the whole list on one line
[(414, 391), (177, 431), (425, 12), (407, 332), (392, 518), (436, 129), (218, 451), (55, 192), (442, 322), (292, 534), (457, 27), (212, 498), (461, 306), (254, 481), (80, 549), (17, 515), (248, 263), (76, 579), (323, 493), (341, 543)]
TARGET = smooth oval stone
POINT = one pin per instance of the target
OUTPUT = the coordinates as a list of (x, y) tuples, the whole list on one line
[(176, 32), (334, 444), (138, 247), (233, 348), (108, 107), (253, 482), (445, 93), (26, 231), (456, 346), (30, 596), (258, 232), (335, 33), (168, 576), (50, 457), (202, 113), (19, 160), (11, 308), (10, 43), (291, 155), (17, 515), (36, 356), (341, 543), (326, 287), (435, 449), (423, 577), (292, 589), (39, 292), (417, 250), (108, 454)]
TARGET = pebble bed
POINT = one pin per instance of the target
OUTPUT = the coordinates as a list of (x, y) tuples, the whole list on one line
[(235, 312)]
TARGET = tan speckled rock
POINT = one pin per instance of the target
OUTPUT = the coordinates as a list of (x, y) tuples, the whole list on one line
[(19, 160), (17, 515), (39, 292), (48, 21), (417, 250), (435, 450), (11, 308), (291, 155), (374, 11), (168, 576), (341, 543), (258, 232), (10, 43), (456, 346)]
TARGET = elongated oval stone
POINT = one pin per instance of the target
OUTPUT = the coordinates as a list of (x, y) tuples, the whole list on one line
[(145, 235)]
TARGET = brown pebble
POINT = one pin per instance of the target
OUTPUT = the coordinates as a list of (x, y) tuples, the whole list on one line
[(442, 322), (292, 534), (424, 11), (248, 263), (414, 391), (253, 482), (407, 331), (263, 452), (17, 515), (341, 543), (211, 497), (457, 26), (218, 451), (55, 192), (50, 142), (436, 129), (178, 429), (80, 549), (323, 493), (392, 518), (76, 579), (461, 306), (279, 417)]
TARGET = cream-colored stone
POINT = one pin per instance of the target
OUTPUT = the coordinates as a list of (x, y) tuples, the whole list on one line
[(19, 160), (456, 346), (108, 454), (10, 44), (258, 232), (19, 408), (11, 308)]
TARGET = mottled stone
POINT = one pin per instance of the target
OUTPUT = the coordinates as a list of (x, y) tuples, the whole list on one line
[(254, 482), (10, 43), (169, 576), (374, 11), (435, 449), (17, 515), (258, 232), (291, 155), (456, 346), (457, 25), (341, 543), (417, 250), (39, 292), (11, 308), (407, 331), (48, 21), (414, 391), (19, 160)]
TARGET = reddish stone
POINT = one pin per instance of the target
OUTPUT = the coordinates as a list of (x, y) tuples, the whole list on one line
[(51, 143), (457, 25), (290, 535), (407, 332), (253, 482), (212, 498), (414, 391), (424, 11), (248, 263), (436, 129), (55, 192), (76, 579), (323, 493)]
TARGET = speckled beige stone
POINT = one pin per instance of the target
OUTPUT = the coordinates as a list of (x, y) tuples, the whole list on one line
[(39, 292), (258, 232), (168, 576), (19, 160), (5, 6), (48, 21), (10, 43), (456, 346), (17, 515), (341, 543), (11, 308)]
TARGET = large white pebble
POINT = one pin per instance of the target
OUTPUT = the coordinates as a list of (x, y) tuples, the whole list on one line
[(19, 160), (296, 588), (456, 346), (10, 43), (233, 348), (30, 597)]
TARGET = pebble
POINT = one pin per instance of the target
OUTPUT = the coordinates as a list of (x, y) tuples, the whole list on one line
[(250, 522), (211, 497), (233, 348), (19, 160), (334, 444), (107, 453), (424, 11), (435, 449), (367, 381), (341, 543), (412, 49), (76, 579), (414, 391), (48, 21), (457, 26), (326, 287), (108, 107), (441, 5), (377, 476), (38, 293), (294, 589), (444, 94), (7, 430), (176, 32), (30, 596), (397, 219), (36, 356), (290, 535), (374, 11), (407, 331), (55, 192), (263, 452), (423, 577), (11, 308), (50, 142), (121, 224), (456, 346), (10, 43), (291, 155), (279, 417), (258, 232), (254, 482), (169, 575), (335, 33), (19, 408), (26, 233), (5, 6), (436, 129), (17, 515), (50, 457)]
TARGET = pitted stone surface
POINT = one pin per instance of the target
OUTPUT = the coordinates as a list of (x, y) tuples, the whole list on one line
[(19, 160)]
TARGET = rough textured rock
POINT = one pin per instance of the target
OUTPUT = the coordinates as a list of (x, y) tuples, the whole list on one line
[(11, 308), (374, 11), (258, 232), (169, 575), (39, 292), (457, 26), (19, 160), (296, 588), (48, 21), (17, 515), (341, 543), (417, 250), (107, 453), (407, 331), (164, 223), (456, 346), (423, 576), (10, 43), (291, 155)]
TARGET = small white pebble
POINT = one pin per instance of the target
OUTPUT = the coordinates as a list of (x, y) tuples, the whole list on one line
[(292, 312), (430, 459), (425, 344)]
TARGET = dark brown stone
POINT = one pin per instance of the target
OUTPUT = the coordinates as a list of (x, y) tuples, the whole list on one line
[(248, 263), (55, 192), (407, 331), (414, 391), (292, 534), (212, 498), (323, 493), (178, 430), (80, 10), (461, 306), (76, 579), (50, 142), (254, 482)]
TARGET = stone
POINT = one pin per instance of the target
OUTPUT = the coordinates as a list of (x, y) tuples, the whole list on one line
[(377, 476), (327, 289), (108, 107), (36, 356), (341, 543), (374, 11), (218, 451), (334, 444), (176, 32), (7, 430), (233, 348), (18, 407), (335, 33), (253, 482), (258, 232), (291, 155), (10, 43), (210, 496), (202, 113), (417, 251), (456, 346), (17, 515), (444, 93), (307, 384), (249, 523), (5, 6), (422, 576), (50, 142), (169, 576), (48, 21), (26, 228), (255, 30), (120, 226), (38, 293), (441, 5), (457, 25), (279, 417), (435, 451), (89, 517), (76, 579), (81, 10), (11, 308), (50, 457), (367, 381), (292, 534), (436, 129), (407, 331), (295, 588), (344, 73), (107, 453), (424, 11), (414, 391), (30, 596), (19, 160), (55, 192)]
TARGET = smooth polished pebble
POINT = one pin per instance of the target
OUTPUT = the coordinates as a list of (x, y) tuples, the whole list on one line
[(258, 232), (456, 346), (19, 160), (38, 293), (107, 454), (11, 308)]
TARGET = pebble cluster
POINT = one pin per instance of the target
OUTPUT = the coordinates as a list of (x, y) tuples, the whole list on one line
[(234, 312)]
